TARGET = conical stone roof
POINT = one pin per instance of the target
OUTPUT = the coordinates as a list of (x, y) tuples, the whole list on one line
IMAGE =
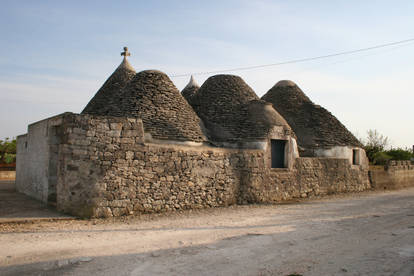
[(152, 96), (264, 116), (314, 126), (102, 100), (230, 110), (190, 90)]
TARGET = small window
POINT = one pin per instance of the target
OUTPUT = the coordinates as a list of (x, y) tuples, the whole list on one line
[(355, 157), (278, 153)]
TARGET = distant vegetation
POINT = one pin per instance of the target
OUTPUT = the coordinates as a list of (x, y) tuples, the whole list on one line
[(376, 145), (7, 151)]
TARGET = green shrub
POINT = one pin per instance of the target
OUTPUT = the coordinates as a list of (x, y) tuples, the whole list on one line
[(399, 154), (7, 151), (375, 147), (380, 158), (9, 158)]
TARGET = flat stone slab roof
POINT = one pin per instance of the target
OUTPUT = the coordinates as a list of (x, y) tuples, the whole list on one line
[(17, 207)]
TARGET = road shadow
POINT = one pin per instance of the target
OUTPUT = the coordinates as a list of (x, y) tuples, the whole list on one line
[(17, 207)]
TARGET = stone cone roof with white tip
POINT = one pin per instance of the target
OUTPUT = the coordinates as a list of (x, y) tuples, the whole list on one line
[(100, 103), (190, 90), (314, 126)]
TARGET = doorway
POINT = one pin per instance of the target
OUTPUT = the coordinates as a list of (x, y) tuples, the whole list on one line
[(278, 153)]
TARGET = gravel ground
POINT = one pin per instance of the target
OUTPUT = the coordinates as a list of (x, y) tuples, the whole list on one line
[(359, 234)]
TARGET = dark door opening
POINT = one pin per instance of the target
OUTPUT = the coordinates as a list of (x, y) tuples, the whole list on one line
[(278, 153)]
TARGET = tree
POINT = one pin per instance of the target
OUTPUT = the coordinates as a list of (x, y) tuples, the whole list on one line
[(374, 146), (376, 140)]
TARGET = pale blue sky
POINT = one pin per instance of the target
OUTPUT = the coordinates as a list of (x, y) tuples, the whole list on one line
[(56, 54)]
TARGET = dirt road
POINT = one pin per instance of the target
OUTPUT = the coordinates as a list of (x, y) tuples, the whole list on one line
[(363, 234)]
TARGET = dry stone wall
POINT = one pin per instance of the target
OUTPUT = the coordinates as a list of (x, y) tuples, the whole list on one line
[(309, 177), (105, 169), (396, 175)]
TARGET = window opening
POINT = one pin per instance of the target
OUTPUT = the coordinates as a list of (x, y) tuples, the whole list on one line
[(355, 157)]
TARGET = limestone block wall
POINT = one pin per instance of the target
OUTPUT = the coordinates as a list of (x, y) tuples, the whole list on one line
[(106, 170), (102, 166), (309, 177), (158, 178), (397, 174)]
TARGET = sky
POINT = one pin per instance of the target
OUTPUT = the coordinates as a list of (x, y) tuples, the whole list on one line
[(55, 55)]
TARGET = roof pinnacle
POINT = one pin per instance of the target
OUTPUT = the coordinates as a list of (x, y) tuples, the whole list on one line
[(192, 82), (125, 53)]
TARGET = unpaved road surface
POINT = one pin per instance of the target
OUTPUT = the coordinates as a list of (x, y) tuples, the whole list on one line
[(361, 234)]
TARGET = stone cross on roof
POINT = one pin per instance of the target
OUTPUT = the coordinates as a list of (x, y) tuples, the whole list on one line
[(125, 53)]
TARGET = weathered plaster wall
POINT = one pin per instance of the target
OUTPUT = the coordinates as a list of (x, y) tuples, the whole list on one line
[(343, 152), (32, 161), (397, 174)]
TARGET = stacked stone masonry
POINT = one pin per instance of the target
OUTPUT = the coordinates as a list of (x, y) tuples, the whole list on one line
[(221, 102), (105, 169), (395, 175), (189, 92), (314, 126), (140, 146), (103, 101), (153, 97)]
